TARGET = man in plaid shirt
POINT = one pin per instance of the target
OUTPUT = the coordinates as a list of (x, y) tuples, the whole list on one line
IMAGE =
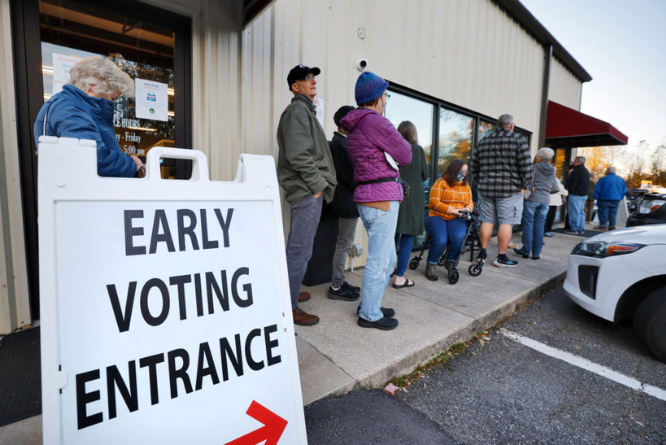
[(501, 171)]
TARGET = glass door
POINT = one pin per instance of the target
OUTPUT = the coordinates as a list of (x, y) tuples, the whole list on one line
[(71, 31), (49, 36)]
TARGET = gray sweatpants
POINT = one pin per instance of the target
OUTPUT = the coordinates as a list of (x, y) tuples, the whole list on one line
[(346, 233)]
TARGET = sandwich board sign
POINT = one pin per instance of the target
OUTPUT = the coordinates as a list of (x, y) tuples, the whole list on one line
[(165, 306)]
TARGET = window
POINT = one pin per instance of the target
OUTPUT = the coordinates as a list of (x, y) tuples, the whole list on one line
[(456, 131), (485, 128), (404, 108), (559, 161)]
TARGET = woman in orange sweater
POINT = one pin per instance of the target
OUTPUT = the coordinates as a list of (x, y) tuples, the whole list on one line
[(448, 196)]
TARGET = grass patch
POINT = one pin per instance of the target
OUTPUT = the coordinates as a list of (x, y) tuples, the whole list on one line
[(439, 359)]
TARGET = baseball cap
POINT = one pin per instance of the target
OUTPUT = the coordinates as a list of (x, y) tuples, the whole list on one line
[(300, 72)]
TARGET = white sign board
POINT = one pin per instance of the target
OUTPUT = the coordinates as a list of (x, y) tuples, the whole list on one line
[(320, 110), (152, 100), (165, 310)]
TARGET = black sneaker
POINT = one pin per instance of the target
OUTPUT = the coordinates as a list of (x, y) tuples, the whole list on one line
[(385, 324), (386, 312), (504, 263), (352, 289), (342, 294), (521, 252)]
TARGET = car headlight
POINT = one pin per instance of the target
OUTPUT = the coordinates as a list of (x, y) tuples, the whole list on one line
[(650, 205), (603, 249)]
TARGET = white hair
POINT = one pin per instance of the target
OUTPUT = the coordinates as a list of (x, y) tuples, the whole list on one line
[(102, 76), (581, 159), (546, 153), (610, 169)]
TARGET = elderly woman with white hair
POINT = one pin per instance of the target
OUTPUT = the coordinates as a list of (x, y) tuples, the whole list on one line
[(84, 110), (537, 201)]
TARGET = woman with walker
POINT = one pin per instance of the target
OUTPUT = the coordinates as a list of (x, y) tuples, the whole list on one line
[(449, 196)]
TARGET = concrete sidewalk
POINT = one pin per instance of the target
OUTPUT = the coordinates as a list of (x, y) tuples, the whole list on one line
[(337, 356)]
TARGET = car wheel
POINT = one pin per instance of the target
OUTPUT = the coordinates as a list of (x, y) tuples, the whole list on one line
[(650, 322)]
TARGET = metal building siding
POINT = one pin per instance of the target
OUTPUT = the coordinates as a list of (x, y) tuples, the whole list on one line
[(468, 53), (216, 95), (565, 88)]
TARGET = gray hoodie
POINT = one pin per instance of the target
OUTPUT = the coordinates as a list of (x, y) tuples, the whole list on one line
[(544, 182)]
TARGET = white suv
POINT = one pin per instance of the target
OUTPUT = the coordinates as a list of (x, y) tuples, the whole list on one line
[(621, 275)]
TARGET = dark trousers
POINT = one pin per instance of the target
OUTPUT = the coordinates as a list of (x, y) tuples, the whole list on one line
[(550, 218), (589, 207)]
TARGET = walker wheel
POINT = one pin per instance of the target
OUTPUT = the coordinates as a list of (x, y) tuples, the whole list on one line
[(475, 270), (414, 263), (453, 276)]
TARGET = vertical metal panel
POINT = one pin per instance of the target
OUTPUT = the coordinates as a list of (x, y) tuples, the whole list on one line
[(216, 86), (14, 293), (565, 88)]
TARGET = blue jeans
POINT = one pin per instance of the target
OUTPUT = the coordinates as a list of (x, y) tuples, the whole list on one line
[(607, 212), (302, 230), (380, 226), (577, 212), (403, 244), (534, 218), (443, 232)]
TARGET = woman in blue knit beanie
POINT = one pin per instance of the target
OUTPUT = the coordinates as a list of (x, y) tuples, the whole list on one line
[(375, 150), (369, 87)]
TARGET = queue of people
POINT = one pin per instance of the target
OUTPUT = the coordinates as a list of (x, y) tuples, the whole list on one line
[(369, 170)]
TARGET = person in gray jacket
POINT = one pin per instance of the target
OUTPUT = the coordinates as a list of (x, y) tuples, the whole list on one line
[(306, 173), (537, 201)]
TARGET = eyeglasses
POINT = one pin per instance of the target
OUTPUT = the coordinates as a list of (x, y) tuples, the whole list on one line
[(310, 77)]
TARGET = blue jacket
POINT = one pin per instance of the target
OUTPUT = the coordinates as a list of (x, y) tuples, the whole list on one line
[(74, 114), (610, 188)]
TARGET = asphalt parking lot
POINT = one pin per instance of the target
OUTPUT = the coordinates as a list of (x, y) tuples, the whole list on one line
[(551, 373)]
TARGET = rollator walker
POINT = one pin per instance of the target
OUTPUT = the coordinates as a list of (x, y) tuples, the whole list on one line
[(470, 243)]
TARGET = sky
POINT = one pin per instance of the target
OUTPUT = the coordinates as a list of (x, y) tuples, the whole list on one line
[(622, 45)]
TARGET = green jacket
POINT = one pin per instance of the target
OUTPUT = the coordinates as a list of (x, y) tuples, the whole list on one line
[(305, 165), (412, 208)]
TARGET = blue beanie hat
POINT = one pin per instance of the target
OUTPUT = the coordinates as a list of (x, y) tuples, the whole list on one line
[(369, 87)]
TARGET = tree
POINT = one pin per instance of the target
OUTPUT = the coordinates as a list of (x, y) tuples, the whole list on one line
[(658, 166), (598, 159)]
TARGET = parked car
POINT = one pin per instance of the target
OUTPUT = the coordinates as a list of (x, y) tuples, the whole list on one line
[(621, 275), (633, 195), (650, 209)]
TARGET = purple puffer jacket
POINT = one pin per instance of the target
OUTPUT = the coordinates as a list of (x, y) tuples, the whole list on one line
[(369, 135)]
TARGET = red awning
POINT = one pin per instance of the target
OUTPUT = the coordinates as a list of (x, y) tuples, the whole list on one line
[(566, 125)]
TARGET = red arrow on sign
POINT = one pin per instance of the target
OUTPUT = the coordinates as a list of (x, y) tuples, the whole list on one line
[(271, 432)]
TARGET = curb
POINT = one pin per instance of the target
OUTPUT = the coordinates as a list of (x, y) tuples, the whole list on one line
[(415, 358)]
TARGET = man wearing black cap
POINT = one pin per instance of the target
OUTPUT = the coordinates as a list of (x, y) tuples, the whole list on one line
[(307, 175), (345, 208)]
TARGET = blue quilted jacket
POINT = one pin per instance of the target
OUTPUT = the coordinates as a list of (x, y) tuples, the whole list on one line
[(74, 114)]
